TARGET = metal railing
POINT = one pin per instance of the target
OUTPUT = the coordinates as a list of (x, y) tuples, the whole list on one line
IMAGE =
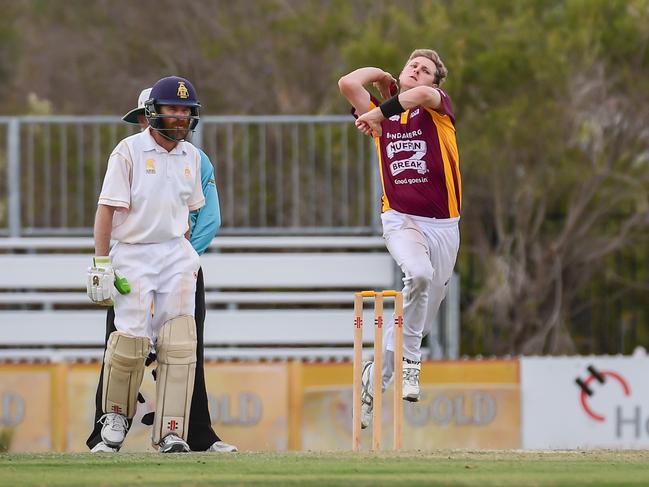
[(275, 174)]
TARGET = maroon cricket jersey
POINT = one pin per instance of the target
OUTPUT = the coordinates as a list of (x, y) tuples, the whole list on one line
[(419, 161)]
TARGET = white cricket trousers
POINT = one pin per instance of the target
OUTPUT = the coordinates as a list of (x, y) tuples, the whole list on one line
[(426, 250), (163, 284)]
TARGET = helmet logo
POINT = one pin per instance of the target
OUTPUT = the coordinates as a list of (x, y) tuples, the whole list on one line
[(183, 92)]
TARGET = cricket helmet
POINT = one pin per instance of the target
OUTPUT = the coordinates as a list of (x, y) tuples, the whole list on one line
[(172, 90)]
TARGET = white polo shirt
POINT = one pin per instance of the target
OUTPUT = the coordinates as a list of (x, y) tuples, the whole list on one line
[(153, 190)]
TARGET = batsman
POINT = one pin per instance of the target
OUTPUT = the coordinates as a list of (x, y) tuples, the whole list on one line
[(152, 182)]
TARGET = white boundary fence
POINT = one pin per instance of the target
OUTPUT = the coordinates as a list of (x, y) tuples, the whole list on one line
[(276, 174)]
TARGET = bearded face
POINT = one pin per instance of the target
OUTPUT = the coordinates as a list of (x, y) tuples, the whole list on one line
[(175, 121)]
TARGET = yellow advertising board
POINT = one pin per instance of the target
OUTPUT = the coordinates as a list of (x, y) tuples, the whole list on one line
[(248, 405), (272, 406), (465, 404), (26, 407)]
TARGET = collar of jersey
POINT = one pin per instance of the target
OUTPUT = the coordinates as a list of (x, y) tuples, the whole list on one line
[(150, 144)]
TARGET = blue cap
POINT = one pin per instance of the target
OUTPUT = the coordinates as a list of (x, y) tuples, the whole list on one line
[(174, 90)]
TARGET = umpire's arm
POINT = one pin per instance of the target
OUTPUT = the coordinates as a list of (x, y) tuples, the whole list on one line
[(207, 220)]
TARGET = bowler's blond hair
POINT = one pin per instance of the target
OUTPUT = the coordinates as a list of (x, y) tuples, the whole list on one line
[(441, 72)]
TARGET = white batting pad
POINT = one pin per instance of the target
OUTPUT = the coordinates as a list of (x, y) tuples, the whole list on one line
[(176, 352), (123, 372)]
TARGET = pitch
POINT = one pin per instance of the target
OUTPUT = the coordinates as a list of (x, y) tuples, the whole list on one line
[(444, 467)]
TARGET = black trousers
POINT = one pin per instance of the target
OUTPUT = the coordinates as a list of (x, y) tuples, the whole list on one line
[(200, 435)]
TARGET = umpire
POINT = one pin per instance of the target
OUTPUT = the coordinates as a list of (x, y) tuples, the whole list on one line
[(204, 224)]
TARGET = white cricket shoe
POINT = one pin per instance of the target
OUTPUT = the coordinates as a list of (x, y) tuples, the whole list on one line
[(410, 390), (114, 429), (173, 444), (222, 447), (367, 397), (102, 447)]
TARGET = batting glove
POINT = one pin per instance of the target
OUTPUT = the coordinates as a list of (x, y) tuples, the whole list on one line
[(103, 280)]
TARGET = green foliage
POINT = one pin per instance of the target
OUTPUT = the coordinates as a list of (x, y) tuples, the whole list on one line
[(10, 46), (550, 98), (528, 80), (6, 435)]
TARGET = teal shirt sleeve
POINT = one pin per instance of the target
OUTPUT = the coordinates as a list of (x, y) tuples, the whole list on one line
[(206, 220)]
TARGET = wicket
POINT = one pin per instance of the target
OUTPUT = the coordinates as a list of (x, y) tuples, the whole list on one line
[(378, 359)]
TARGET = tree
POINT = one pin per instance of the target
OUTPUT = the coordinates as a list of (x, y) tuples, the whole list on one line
[(554, 153), (550, 98)]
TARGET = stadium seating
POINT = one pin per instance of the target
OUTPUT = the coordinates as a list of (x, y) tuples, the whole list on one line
[(266, 296)]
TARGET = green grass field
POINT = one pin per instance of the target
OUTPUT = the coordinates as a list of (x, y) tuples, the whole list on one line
[(452, 468)]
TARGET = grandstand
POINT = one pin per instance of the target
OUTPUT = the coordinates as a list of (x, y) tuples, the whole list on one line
[(300, 234)]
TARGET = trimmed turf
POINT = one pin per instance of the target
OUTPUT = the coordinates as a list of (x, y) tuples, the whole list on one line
[(448, 468)]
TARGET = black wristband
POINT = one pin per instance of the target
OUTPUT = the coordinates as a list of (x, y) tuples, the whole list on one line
[(391, 107)]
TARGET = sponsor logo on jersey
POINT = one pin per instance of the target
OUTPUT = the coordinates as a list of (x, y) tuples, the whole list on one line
[(394, 148), (183, 92), (415, 161), (411, 180), (403, 135), (419, 165), (188, 172), (414, 113), (150, 166)]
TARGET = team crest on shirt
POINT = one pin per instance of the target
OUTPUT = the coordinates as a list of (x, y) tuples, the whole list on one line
[(188, 172), (150, 166)]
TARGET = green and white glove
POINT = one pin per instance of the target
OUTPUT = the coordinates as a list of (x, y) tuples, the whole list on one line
[(103, 280)]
